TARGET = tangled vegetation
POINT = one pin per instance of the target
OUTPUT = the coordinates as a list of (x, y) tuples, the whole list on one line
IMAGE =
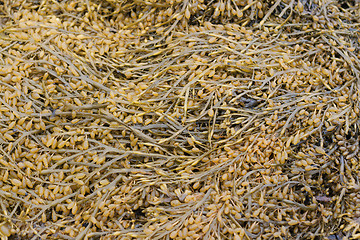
[(179, 119)]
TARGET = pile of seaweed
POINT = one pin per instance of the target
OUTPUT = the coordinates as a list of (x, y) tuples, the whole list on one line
[(181, 119)]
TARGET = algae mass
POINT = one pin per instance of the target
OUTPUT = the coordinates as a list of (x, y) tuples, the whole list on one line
[(179, 119)]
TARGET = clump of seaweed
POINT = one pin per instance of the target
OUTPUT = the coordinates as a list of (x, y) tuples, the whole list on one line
[(177, 119)]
